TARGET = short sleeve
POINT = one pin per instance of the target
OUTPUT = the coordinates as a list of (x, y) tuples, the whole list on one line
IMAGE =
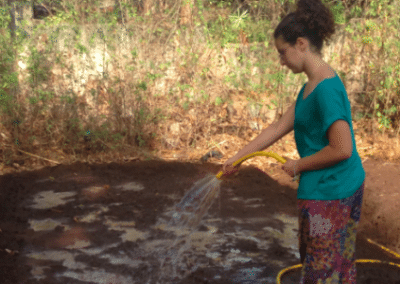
[(331, 107)]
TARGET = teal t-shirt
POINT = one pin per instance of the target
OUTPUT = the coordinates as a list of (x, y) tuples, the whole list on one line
[(313, 116)]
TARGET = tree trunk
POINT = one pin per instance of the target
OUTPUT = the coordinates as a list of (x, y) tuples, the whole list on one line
[(123, 15), (186, 12), (11, 25), (147, 6), (12, 90)]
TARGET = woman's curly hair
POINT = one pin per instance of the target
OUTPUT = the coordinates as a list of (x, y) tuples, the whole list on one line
[(312, 20)]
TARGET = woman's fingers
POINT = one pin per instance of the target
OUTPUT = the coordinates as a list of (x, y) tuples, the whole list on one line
[(227, 164), (229, 169)]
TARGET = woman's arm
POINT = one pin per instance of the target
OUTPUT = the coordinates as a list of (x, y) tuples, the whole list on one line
[(266, 138), (270, 135), (340, 148)]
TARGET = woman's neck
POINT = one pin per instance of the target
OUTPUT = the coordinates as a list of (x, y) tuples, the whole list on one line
[(313, 67)]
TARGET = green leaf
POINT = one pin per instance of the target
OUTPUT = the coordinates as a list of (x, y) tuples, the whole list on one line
[(338, 13), (388, 82), (392, 110)]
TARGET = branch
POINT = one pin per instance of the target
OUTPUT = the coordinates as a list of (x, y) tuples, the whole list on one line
[(36, 156)]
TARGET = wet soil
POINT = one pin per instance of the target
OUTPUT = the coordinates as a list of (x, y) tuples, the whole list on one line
[(108, 223)]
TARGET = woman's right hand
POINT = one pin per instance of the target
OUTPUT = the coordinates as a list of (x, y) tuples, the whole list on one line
[(228, 168)]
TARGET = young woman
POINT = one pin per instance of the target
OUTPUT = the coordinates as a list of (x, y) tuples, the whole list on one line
[(331, 173)]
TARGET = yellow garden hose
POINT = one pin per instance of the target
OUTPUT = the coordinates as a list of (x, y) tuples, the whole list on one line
[(260, 153), (285, 270), (294, 267)]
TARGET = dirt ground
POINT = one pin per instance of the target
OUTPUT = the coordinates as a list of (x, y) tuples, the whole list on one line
[(106, 223)]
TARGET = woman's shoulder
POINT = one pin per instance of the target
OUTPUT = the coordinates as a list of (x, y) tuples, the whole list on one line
[(330, 80), (328, 72)]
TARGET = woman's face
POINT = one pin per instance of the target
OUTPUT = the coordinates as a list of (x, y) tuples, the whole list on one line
[(289, 55)]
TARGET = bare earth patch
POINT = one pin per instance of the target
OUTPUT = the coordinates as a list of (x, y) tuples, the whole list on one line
[(109, 222)]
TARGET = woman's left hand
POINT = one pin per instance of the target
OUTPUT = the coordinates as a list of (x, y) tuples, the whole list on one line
[(288, 167)]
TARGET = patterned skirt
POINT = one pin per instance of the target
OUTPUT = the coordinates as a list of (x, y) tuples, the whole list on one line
[(327, 238)]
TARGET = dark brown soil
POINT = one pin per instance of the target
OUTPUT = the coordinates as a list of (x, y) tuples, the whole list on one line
[(248, 203)]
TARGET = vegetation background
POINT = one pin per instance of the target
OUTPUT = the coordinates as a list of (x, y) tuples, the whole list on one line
[(102, 81)]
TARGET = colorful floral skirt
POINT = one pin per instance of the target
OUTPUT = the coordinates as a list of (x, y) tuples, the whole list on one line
[(327, 238)]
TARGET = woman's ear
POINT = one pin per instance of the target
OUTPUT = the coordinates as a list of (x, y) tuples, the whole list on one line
[(302, 43)]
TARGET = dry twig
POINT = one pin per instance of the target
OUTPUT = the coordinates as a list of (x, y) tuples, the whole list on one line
[(36, 156)]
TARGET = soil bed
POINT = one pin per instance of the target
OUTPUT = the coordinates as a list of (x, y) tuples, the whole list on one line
[(107, 224)]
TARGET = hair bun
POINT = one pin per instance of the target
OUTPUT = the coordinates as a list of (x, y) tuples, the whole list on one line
[(312, 19), (316, 18)]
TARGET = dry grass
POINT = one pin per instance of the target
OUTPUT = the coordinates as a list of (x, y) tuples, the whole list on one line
[(181, 115)]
